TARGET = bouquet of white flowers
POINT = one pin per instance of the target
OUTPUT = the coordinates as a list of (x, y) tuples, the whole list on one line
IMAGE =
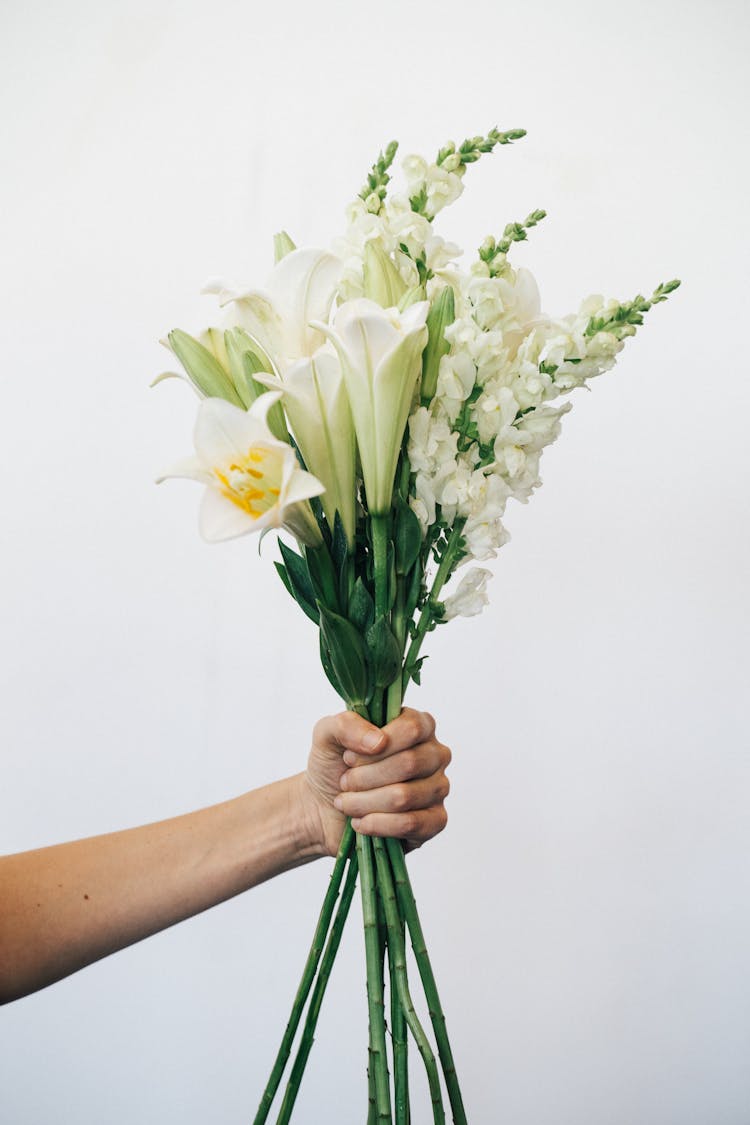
[(381, 406)]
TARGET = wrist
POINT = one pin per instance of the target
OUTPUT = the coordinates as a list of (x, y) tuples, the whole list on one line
[(306, 813)]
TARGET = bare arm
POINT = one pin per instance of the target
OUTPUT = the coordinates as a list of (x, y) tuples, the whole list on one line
[(65, 906)]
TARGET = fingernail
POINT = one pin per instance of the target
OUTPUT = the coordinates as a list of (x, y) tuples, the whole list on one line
[(338, 803), (349, 757), (372, 739), (356, 821)]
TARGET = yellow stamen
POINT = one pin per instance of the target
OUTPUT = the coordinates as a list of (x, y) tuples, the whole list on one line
[(256, 491)]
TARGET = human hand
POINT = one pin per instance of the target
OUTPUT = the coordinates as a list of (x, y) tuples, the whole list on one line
[(391, 781)]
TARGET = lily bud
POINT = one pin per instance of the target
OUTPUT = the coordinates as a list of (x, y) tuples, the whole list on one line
[(380, 352), (282, 245), (382, 281), (410, 297), (203, 368), (441, 315)]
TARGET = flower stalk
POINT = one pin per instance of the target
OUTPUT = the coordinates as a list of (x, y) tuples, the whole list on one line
[(308, 975), (375, 1000), (326, 964)]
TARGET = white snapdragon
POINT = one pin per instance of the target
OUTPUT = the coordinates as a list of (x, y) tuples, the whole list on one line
[(542, 426), (439, 182), (401, 233), (495, 410), (431, 441), (456, 378), (423, 503), (451, 484), (484, 538), (518, 448), (470, 596), (532, 386)]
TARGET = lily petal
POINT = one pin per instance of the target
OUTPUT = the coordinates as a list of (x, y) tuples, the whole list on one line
[(221, 519)]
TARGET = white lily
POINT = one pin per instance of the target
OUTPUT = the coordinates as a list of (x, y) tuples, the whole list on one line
[(380, 352), (253, 480), (317, 407), (300, 289)]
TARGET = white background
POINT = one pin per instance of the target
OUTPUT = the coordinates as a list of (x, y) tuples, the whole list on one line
[(587, 908)]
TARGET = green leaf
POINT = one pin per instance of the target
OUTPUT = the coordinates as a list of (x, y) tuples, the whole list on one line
[(325, 660), (392, 584), (340, 548), (384, 652), (347, 652), (361, 607), (415, 670), (413, 591), (204, 370), (282, 573), (302, 589), (323, 575), (440, 316), (407, 538)]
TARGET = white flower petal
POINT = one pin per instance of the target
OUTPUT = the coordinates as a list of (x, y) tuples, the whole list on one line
[(220, 518), (222, 429), (189, 468)]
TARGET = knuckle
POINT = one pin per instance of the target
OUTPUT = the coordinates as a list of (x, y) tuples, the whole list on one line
[(323, 728), (338, 725), (347, 804), (354, 780), (428, 722), (408, 764), (410, 824), (413, 728), (402, 798)]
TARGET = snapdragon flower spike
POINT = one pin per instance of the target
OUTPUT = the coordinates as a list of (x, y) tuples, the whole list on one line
[(473, 147), (374, 191), (253, 481), (434, 186), (494, 254)]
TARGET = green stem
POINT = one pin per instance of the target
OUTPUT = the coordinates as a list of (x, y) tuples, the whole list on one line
[(397, 956), (378, 1057), (398, 625), (442, 575), (308, 975), (379, 525), (371, 1107), (400, 1044), (409, 911), (329, 955)]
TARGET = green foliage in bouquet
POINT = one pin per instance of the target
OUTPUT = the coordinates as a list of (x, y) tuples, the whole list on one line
[(381, 406)]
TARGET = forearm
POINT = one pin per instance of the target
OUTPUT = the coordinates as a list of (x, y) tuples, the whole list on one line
[(65, 906)]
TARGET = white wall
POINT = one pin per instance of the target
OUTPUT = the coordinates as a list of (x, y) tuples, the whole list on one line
[(588, 905)]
